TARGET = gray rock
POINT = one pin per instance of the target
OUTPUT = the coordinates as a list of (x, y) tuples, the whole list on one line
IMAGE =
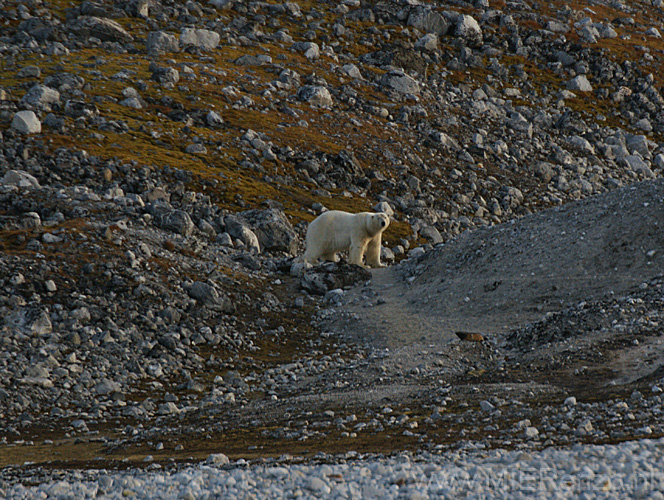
[(240, 230), (352, 71), (273, 230), (169, 408), (29, 72), (201, 38), (177, 221), (384, 207), (605, 30), (332, 275), (104, 29), (431, 234), (26, 122), (315, 95), (64, 82), (106, 387), (80, 109), (196, 149), (486, 406), (310, 50), (249, 60), (428, 21), (400, 82), (160, 42), (579, 83), (427, 42), (132, 102), (545, 171), (530, 432), (209, 296), (636, 163), (638, 144), (214, 119), (41, 97), (166, 75), (469, 30), (19, 178)]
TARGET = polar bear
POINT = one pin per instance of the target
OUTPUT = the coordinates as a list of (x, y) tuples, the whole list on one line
[(336, 231)]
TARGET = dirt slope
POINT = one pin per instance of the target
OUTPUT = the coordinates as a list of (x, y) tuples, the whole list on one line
[(499, 278)]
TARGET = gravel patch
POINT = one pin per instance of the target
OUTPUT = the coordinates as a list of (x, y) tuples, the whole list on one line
[(627, 470)]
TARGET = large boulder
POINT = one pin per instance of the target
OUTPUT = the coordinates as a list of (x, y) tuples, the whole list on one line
[(19, 178), (26, 122), (239, 229), (428, 21), (104, 29), (579, 83), (160, 42), (208, 296), (315, 95), (171, 219), (273, 230), (40, 97), (203, 39), (469, 30), (400, 82)]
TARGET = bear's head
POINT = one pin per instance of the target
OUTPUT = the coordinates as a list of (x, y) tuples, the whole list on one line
[(377, 223)]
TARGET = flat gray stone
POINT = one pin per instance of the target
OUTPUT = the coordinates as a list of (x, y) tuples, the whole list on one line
[(19, 178)]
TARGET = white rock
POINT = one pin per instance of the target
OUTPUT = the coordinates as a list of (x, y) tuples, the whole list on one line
[(203, 39), (530, 432), (310, 50), (579, 83), (653, 32), (352, 71), (486, 406), (570, 401), (26, 122), (217, 459), (317, 485), (384, 207), (315, 95)]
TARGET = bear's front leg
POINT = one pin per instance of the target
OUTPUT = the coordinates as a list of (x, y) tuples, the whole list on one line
[(355, 255), (373, 252)]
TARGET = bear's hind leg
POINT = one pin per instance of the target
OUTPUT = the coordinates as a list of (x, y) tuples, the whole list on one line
[(310, 257), (330, 257)]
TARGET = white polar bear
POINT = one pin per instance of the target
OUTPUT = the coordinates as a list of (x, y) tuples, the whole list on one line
[(337, 231)]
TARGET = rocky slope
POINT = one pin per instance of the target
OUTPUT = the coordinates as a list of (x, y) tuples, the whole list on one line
[(160, 161)]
